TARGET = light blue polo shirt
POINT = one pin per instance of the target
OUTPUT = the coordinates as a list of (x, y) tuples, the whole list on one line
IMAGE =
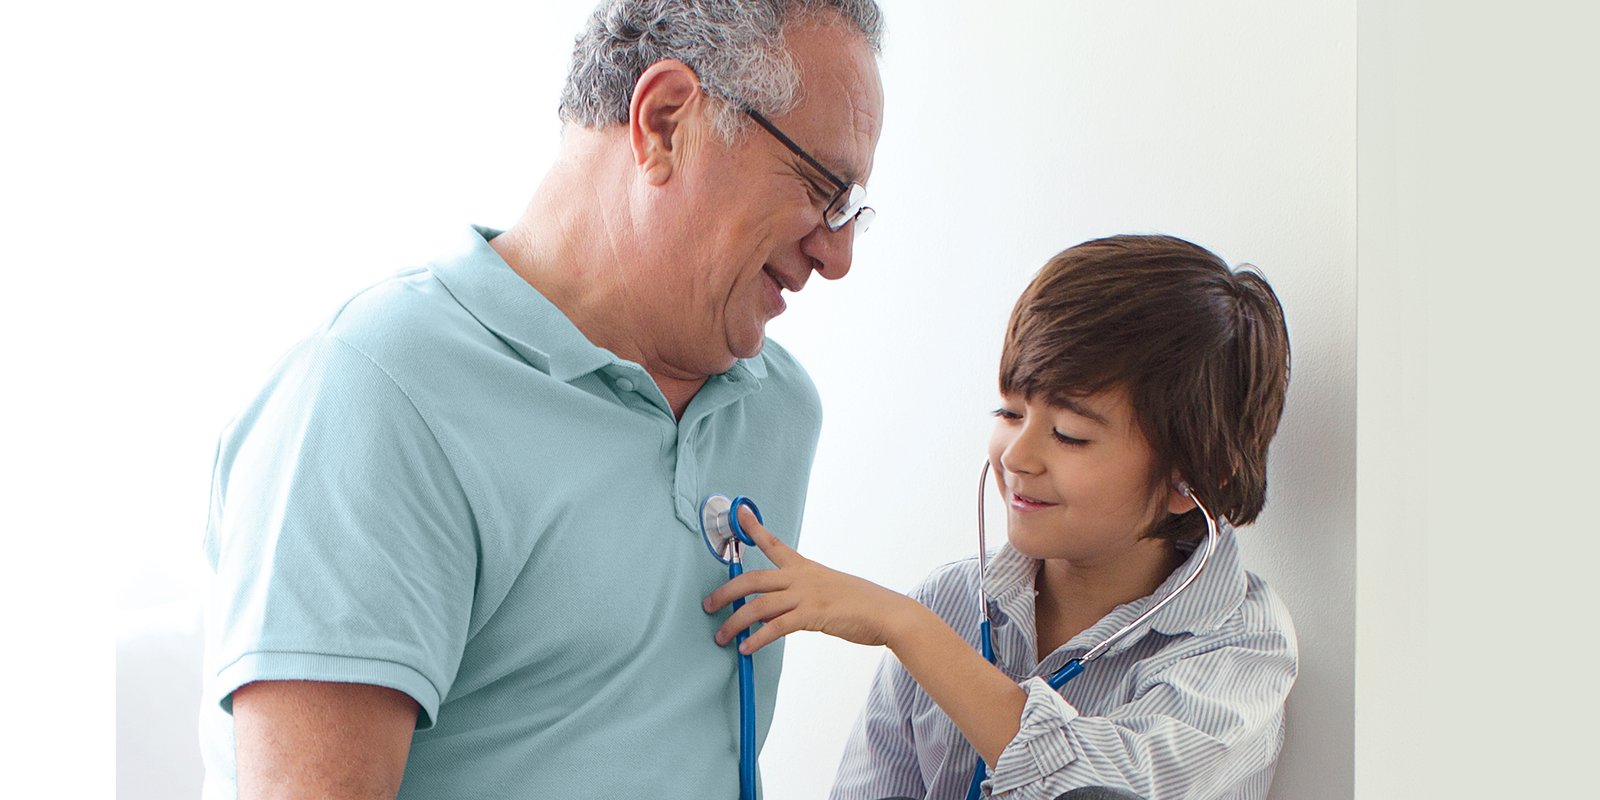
[(449, 491)]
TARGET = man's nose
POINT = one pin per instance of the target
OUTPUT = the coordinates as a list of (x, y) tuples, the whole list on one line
[(830, 251)]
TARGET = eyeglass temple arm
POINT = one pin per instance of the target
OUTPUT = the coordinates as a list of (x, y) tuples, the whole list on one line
[(838, 182)]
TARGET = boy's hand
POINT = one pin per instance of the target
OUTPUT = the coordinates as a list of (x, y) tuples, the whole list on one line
[(802, 595)]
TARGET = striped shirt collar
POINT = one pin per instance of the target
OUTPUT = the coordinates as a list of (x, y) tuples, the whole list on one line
[(1205, 605)]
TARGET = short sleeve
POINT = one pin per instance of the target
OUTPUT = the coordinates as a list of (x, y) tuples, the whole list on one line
[(342, 543)]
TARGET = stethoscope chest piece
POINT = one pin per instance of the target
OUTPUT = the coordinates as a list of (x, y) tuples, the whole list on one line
[(719, 525)]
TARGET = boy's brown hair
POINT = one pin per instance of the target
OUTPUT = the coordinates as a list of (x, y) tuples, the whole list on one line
[(1201, 350)]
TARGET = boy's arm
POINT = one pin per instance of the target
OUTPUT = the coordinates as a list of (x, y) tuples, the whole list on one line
[(984, 703), (980, 699)]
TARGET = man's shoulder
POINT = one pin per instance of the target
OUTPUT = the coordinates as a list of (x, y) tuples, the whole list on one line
[(407, 318), (408, 302), (365, 362), (785, 373)]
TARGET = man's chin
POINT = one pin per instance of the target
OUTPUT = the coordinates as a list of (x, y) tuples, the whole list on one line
[(747, 347)]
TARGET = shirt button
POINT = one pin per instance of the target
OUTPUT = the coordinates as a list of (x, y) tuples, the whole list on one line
[(624, 385)]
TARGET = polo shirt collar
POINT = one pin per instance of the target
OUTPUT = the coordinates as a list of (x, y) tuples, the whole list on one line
[(1206, 604), (506, 304)]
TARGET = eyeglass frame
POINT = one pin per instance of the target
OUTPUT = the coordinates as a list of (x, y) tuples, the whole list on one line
[(842, 188)]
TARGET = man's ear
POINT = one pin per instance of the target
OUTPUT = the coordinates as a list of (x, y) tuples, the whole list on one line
[(664, 100)]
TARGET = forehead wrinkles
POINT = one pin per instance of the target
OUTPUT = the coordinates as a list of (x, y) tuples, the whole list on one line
[(839, 85), (848, 147), (864, 123)]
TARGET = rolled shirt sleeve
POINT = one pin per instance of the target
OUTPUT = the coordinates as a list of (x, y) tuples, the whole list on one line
[(1200, 725)]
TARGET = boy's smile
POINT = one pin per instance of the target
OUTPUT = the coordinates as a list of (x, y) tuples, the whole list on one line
[(1023, 503), (1081, 483)]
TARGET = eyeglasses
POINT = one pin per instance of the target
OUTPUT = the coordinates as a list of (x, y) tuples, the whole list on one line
[(849, 200)]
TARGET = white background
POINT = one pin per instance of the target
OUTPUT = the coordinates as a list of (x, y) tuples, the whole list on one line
[(189, 187)]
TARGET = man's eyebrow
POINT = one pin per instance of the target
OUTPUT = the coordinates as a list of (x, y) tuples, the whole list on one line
[(850, 173), (846, 172), (847, 176)]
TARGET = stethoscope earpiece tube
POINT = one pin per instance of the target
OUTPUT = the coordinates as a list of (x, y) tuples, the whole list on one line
[(1074, 667), (1065, 674)]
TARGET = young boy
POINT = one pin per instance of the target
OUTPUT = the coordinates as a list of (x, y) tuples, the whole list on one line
[(1132, 366)]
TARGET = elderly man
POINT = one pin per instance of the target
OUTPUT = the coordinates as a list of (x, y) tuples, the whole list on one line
[(455, 538)]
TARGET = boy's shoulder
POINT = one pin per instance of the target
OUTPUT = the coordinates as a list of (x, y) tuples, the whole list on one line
[(949, 586), (1262, 610), (1257, 617), (961, 572)]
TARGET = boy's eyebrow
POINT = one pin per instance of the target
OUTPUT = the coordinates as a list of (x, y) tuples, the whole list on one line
[(1072, 404)]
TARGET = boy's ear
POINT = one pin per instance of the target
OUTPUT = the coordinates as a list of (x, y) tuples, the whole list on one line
[(1179, 499), (665, 98)]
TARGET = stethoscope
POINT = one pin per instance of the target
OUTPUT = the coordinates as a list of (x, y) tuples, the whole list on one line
[(719, 524), (1072, 668)]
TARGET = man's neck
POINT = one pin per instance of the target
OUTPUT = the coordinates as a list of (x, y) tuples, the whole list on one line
[(575, 245)]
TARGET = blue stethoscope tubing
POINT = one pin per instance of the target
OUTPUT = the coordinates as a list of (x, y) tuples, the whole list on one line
[(1074, 667), (719, 520)]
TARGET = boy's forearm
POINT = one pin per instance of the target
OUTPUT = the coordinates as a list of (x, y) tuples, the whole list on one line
[(983, 702)]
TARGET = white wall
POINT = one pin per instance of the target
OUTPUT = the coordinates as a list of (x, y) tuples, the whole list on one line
[(1477, 403), (206, 182)]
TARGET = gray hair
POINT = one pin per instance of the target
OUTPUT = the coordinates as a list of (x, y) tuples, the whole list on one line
[(736, 47)]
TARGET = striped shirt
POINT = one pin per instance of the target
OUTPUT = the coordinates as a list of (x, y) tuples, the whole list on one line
[(1189, 705)]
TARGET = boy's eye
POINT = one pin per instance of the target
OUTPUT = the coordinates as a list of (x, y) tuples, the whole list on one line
[(1068, 440), (1006, 414)]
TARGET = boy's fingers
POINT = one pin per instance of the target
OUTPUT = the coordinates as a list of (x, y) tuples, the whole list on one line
[(767, 634), (775, 550), (760, 609), (753, 582)]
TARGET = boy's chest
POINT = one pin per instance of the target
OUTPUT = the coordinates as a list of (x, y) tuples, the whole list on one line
[(1055, 627)]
